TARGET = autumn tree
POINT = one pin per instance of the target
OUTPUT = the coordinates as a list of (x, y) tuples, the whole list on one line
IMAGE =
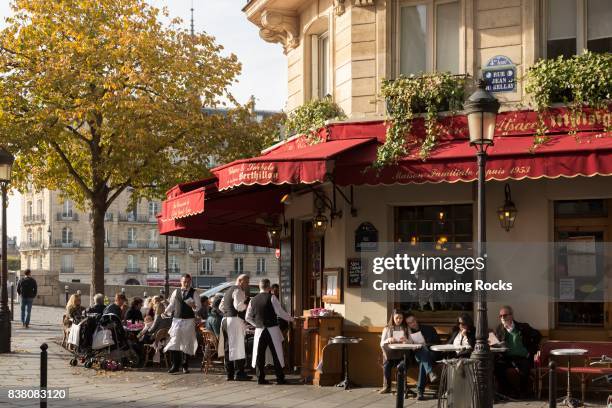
[(97, 96)]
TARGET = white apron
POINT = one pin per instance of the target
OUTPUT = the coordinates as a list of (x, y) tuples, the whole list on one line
[(182, 336), (277, 340), (236, 329)]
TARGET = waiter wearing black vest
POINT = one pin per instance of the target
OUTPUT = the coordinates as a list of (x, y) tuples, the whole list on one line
[(263, 313), (183, 305)]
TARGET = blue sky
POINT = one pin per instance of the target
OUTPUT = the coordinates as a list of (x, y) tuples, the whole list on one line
[(264, 67)]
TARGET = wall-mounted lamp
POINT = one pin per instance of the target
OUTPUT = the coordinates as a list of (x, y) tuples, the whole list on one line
[(286, 199), (319, 224), (274, 233), (507, 212)]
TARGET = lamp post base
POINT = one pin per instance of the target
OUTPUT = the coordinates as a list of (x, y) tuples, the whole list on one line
[(5, 331), (484, 376)]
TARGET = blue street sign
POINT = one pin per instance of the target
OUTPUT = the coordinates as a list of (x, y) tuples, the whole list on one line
[(500, 74)]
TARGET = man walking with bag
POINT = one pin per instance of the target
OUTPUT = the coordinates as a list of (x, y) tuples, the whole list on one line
[(27, 289)]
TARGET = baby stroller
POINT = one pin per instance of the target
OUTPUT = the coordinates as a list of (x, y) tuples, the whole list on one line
[(80, 337), (105, 340)]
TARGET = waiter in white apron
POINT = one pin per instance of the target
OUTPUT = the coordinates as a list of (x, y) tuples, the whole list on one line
[(183, 306), (263, 313), (233, 329)]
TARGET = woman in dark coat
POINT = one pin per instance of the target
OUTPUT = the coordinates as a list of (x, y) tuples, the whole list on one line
[(134, 314), (463, 334)]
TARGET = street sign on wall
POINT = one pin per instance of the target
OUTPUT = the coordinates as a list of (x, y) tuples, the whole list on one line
[(500, 74)]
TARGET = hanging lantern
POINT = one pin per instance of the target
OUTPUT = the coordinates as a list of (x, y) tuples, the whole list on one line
[(507, 212), (274, 233), (319, 224)]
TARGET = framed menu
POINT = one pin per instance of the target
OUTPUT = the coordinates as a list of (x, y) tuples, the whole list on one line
[(332, 285), (353, 273)]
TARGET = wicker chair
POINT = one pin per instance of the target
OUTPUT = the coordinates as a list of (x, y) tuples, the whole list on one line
[(209, 348), (161, 336)]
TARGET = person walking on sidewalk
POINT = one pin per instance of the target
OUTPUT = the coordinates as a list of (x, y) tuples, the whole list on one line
[(27, 289), (263, 313), (184, 305)]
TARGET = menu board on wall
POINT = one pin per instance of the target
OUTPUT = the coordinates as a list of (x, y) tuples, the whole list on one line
[(353, 272), (285, 278)]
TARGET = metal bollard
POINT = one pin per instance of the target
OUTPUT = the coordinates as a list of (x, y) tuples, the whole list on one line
[(12, 301), (552, 385), (66, 293), (43, 374), (401, 384)]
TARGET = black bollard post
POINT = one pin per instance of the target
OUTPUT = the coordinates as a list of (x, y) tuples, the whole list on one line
[(66, 288), (12, 301), (43, 375), (401, 384), (552, 385)]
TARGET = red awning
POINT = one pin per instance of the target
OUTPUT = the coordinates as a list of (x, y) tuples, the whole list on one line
[(305, 164), (227, 217), (583, 154)]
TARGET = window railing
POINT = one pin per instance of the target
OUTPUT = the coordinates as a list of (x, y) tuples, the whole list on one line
[(32, 245), (261, 250), (207, 246), (58, 243), (67, 269), (152, 270), (129, 217), (71, 216), (107, 216), (33, 219), (240, 248), (174, 270), (132, 269), (177, 245), (262, 272)]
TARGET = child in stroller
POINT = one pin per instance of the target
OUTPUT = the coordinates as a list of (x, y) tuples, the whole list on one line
[(96, 346)]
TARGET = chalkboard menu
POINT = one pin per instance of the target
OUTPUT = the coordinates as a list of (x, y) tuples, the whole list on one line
[(353, 273), (285, 279)]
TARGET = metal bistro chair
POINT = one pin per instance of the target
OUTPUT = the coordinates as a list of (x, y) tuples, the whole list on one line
[(209, 347), (161, 337)]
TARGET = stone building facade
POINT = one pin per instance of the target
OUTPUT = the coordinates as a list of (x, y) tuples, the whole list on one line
[(57, 236)]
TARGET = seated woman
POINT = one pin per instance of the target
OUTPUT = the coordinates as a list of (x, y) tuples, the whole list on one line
[(98, 306), (396, 331), (74, 310), (464, 334), (147, 335), (134, 314), (213, 322)]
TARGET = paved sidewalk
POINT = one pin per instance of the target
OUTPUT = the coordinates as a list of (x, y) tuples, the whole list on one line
[(153, 387)]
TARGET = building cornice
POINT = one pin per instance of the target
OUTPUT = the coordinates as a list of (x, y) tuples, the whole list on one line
[(278, 27)]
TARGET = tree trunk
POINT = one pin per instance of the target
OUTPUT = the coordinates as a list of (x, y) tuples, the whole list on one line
[(97, 267)]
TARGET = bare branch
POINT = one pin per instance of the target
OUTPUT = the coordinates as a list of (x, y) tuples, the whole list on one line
[(78, 134), (72, 170)]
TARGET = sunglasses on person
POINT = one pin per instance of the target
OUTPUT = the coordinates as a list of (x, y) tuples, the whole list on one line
[(503, 316), (460, 323)]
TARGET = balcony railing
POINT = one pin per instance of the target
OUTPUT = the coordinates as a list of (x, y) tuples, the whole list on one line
[(129, 217), (153, 270), (261, 250), (205, 272), (67, 269), (260, 273), (132, 270), (31, 245), (58, 243), (141, 244), (62, 216), (207, 246), (33, 219), (240, 248), (177, 245), (175, 271), (107, 217)]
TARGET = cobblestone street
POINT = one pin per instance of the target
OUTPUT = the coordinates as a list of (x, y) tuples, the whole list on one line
[(153, 387)]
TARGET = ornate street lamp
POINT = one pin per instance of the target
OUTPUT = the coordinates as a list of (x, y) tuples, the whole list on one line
[(6, 165), (507, 212), (319, 224), (481, 109)]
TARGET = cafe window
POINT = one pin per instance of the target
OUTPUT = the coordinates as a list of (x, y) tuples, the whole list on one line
[(441, 229), (573, 26), (580, 253), (429, 36)]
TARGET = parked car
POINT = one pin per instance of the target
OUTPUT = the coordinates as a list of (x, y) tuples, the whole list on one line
[(223, 287)]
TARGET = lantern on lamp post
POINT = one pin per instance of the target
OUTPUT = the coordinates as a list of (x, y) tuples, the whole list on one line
[(507, 212), (481, 109)]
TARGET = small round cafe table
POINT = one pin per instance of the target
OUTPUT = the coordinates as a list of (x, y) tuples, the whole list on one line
[(568, 400), (345, 342), (406, 349)]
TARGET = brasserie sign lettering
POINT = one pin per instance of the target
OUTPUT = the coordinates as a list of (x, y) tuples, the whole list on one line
[(500, 74), (250, 173)]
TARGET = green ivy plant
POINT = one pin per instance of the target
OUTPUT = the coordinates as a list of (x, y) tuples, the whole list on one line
[(578, 81), (407, 96), (310, 117)]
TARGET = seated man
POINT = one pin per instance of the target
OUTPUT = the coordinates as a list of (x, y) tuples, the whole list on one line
[(98, 306), (118, 307), (522, 342), (426, 335)]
